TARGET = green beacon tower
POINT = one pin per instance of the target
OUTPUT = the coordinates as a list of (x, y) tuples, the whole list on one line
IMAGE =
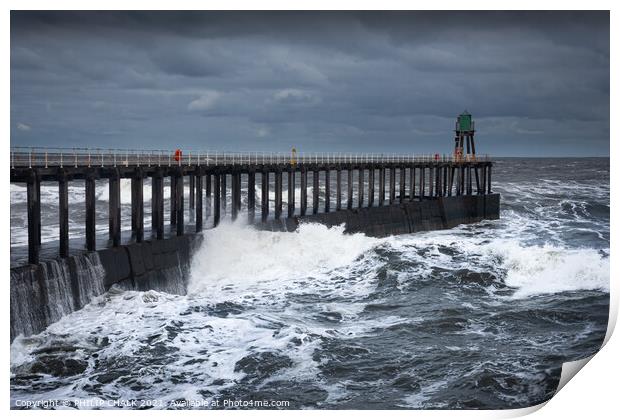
[(464, 136)]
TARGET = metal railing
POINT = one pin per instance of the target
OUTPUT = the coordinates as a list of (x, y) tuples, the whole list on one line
[(29, 157)]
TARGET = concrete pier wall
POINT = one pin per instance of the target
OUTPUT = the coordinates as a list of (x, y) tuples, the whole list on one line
[(397, 219), (43, 293)]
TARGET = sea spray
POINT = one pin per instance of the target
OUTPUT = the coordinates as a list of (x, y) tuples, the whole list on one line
[(257, 259), (490, 310)]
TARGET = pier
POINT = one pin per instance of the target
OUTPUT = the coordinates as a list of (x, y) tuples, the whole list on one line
[(382, 180)]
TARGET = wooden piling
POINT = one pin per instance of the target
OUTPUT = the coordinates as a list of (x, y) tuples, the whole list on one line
[(192, 185), (438, 184), (315, 191), (137, 205), (303, 205), (422, 171), (251, 195), (173, 201), (238, 192), (223, 192), (431, 181), (114, 208), (291, 193), (451, 181), (350, 188), (360, 188), (34, 217), (392, 185), (264, 196), (217, 178), (338, 190), (489, 178), (278, 186), (180, 203), (208, 203), (327, 187), (371, 187), (401, 184), (411, 183), (381, 186), (198, 203), (157, 205), (234, 187), (63, 213), (90, 212), (38, 192)]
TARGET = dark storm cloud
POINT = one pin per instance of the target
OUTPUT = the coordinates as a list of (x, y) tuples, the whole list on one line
[(536, 83)]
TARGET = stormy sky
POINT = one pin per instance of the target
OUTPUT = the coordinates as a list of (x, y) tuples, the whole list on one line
[(536, 83)]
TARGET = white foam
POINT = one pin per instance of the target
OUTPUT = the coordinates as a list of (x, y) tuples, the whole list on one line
[(536, 270), (236, 257)]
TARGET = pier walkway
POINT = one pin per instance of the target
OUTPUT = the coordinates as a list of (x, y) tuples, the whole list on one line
[(383, 179)]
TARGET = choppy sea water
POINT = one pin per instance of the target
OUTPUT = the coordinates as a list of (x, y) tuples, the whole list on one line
[(480, 316)]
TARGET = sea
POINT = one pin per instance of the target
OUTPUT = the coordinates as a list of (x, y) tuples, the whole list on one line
[(480, 316)]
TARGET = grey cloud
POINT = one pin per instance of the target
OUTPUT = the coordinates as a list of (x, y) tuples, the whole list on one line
[(377, 81)]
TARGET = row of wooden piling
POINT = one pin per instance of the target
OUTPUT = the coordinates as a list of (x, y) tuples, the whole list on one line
[(432, 181)]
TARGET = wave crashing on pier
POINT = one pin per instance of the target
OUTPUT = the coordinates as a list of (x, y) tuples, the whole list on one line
[(480, 316)]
